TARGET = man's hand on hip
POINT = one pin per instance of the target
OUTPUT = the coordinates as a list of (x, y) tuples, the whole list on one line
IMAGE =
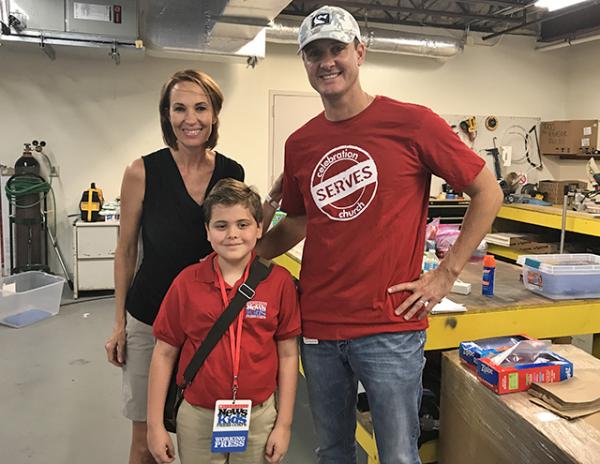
[(427, 291)]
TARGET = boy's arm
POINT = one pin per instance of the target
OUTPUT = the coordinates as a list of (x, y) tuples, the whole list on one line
[(279, 439), (163, 361)]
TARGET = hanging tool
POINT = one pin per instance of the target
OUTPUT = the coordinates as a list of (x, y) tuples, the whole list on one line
[(537, 145), (491, 123), (496, 155), (469, 127)]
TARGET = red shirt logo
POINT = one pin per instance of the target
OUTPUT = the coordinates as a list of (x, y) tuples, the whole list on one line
[(344, 182)]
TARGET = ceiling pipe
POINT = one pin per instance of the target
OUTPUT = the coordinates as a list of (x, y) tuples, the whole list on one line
[(380, 41)]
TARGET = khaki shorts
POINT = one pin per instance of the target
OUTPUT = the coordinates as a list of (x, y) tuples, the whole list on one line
[(194, 435), (138, 353)]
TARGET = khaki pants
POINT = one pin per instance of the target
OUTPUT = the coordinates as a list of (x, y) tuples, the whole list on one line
[(138, 353), (194, 435)]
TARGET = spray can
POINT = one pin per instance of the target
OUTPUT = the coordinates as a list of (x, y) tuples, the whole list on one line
[(489, 270)]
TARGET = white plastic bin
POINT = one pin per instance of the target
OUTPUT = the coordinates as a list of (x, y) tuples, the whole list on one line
[(29, 297), (562, 277)]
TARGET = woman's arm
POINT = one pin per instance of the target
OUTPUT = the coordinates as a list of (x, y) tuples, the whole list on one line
[(132, 196), (163, 361)]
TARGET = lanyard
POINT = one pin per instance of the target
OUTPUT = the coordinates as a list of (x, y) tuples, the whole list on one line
[(235, 340)]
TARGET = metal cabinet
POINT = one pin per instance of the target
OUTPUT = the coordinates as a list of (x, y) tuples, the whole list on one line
[(94, 245)]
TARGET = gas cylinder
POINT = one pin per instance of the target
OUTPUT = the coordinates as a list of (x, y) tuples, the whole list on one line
[(28, 216)]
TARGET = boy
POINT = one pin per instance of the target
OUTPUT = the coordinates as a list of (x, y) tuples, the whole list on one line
[(266, 358)]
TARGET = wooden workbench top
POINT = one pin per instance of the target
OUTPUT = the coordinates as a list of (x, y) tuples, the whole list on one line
[(509, 290), (476, 422)]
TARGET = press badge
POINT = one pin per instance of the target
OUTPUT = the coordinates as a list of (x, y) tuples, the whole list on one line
[(231, 426)]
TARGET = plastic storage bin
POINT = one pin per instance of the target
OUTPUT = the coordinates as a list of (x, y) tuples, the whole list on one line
[(29, 297), (562, 277)]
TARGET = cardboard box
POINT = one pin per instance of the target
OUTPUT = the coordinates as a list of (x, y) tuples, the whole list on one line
[(554, 190), (479, 427), (471, 351), (518, 377), (569, 137)]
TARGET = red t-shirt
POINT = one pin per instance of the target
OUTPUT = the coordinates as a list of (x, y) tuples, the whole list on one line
[(192, 306), (363, 184)]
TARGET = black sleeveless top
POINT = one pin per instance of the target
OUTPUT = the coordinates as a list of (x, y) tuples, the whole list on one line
[(173, 232)]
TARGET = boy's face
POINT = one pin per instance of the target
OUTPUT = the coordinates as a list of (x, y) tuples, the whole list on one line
[(233, 232)]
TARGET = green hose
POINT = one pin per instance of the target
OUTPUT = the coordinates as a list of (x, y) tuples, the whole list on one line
[(27, 184)]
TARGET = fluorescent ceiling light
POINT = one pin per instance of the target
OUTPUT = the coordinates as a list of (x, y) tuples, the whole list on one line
[(553, 5)]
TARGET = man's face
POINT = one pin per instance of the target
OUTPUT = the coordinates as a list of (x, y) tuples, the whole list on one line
[(332, 66)]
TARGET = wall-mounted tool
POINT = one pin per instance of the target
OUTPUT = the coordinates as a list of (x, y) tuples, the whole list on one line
[(491, 123), (496, 155), (469, 127), (533, 131)]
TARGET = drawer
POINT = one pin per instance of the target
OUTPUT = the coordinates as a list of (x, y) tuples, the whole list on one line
[(96, 242), (95, 274)]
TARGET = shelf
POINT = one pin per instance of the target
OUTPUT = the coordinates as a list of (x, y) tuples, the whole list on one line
[(505, 252), (551, 217)]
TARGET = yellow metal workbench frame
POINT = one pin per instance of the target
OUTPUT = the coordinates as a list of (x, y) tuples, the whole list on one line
[(551, 217), (446, 331)]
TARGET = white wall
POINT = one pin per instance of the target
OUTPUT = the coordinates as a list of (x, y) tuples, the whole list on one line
[(96, 117), (583, 94)]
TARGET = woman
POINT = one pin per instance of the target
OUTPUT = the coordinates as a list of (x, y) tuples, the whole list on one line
[(162, 195)]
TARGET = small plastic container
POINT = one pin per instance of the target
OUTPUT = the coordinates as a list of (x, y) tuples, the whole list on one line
[(29, 297), (562, 277)]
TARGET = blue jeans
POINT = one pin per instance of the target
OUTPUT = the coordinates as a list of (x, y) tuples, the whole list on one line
[(390, 367)]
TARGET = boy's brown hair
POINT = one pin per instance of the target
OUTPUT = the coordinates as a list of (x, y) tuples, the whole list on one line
[(231, 192), (212, 91)]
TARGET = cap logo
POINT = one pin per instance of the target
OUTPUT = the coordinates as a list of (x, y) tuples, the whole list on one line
[(321, 19)]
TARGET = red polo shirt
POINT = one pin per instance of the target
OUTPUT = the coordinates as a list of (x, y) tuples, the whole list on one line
[(192, 306)]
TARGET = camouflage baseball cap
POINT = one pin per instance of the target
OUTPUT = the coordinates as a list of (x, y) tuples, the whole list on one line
[(328, 22)]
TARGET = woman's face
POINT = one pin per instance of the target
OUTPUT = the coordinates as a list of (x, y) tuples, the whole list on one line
[(191, 114)]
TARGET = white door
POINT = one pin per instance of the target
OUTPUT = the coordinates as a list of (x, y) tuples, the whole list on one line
[(289, 111)]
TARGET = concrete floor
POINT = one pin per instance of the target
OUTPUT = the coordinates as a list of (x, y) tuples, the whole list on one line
[(61, 399)]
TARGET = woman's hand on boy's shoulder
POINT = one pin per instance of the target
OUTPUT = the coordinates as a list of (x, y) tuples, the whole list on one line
[(160, 444), (277, 444)]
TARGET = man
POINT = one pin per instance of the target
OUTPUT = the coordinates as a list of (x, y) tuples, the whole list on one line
[(356, 185)]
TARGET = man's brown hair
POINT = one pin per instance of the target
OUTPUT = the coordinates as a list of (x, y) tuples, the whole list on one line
[(212, 91)]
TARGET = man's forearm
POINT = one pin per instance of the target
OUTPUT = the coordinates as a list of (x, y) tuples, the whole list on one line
[(287, 233), (482, 211)]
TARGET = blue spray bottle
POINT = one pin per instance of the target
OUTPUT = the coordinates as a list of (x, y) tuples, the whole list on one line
[(489, 271)]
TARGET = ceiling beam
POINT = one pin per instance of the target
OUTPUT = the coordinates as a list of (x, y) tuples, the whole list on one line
[(426, 12), (541, 19)]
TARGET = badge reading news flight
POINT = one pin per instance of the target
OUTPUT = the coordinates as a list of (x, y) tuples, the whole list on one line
[(231, 425)]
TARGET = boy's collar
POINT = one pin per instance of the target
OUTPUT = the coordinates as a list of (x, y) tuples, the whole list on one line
[(207, 273)]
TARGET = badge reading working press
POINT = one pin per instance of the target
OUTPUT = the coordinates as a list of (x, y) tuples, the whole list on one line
[(231, 425), (344, 182)]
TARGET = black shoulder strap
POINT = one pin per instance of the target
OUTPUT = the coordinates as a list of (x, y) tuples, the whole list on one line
[(259, 271)]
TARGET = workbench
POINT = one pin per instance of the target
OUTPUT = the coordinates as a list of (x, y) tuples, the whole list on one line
[(475, 422), (513, 309)]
